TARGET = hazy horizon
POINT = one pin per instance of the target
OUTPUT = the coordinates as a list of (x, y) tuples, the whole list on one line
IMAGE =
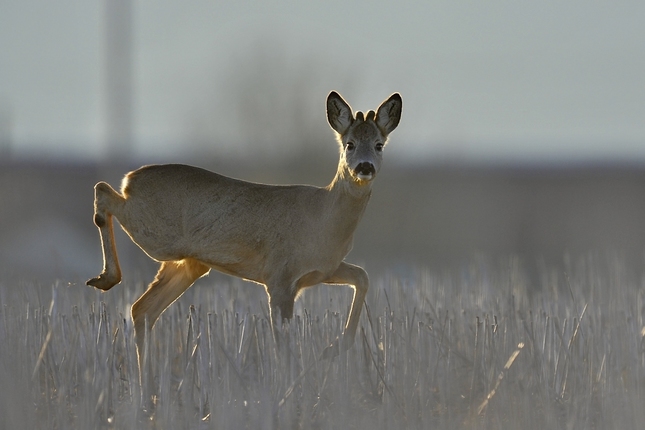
[(505, 81)]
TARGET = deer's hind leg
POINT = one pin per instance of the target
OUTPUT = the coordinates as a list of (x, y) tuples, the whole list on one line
[(106, 203), (173, 278)]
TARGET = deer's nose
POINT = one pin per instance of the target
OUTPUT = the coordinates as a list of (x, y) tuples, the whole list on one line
[(365, 169)]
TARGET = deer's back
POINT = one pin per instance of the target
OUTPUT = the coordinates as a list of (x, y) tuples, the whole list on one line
[(179, 190), (183, 211)]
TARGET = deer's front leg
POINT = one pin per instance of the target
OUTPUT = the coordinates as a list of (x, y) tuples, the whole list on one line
[(106, 200), (281, 300), (349, 274)]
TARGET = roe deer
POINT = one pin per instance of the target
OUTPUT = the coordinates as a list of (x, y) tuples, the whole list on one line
[(284, 237)]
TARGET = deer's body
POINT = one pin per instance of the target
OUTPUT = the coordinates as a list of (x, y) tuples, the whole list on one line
[(168, 211), (284, 237)]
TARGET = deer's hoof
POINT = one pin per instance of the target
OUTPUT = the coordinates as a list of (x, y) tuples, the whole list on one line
[(331, 351), (337, 346), (103, 282)]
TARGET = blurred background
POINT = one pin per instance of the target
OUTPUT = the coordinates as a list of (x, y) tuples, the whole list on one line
[(523, 128)]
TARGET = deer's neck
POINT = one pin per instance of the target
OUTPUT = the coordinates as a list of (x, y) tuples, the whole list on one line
[(348, 197)]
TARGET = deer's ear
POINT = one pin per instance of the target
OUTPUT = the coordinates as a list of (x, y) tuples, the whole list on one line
[(339, 113), (388, 114)]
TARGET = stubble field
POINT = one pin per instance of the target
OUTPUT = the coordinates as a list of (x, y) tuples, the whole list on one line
[(471, 347)]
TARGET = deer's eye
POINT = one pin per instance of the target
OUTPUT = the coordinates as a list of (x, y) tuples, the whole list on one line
[(379, 147), (350, 146)]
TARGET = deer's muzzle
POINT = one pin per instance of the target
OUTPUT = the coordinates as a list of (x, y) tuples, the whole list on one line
[(365, 170)]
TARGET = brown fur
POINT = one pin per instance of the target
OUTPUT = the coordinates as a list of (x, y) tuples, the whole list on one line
[(284, 237)]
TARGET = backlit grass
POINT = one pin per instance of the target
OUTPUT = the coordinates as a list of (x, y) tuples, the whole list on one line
[(473, 347)]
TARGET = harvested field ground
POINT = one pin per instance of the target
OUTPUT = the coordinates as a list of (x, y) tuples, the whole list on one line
[(472, 347)]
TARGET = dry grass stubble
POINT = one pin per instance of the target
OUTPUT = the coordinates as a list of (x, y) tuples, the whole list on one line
[(467, 349)]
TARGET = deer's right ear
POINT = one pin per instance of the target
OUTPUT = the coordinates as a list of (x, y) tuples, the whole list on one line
[(339, 113)]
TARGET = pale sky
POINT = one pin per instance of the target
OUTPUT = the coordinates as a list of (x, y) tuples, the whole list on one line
[(480, 80)]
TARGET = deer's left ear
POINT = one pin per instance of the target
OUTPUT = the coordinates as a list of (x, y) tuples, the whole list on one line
[(388, 114)]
